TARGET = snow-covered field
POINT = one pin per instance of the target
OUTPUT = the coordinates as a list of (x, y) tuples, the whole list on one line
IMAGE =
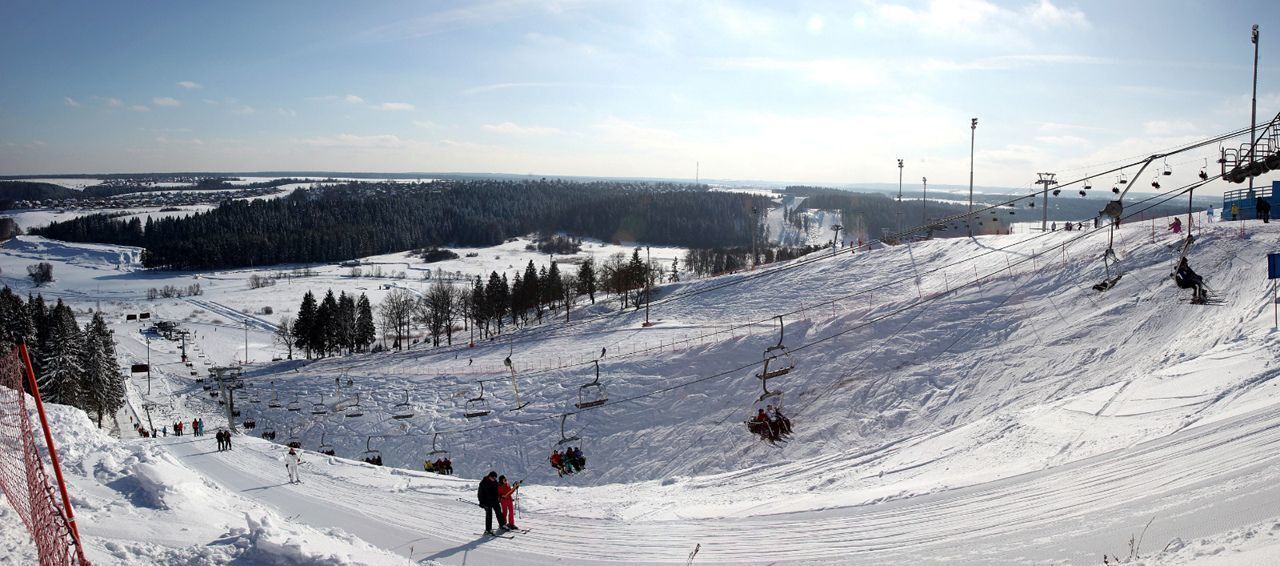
[(968, 401)]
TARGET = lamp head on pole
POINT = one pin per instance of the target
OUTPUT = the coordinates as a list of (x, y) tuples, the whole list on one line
[(973, 125), (1255, 34), (899, 164)]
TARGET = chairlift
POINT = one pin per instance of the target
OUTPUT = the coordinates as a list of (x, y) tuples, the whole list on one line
[(294, 405), (1155, 184), (269, 432), (477, 407), (1167, 170), (293, 441), (1088, 186), (1083, 194), (563, 438), (1204, 175), (592, 394), (319, 408), (403, 410), (1057, 192), (773, 427), (354, 409), (435, 448), (1123, 180), (235, 412), (274, 403), (250, 424), (778, 355), (325, 448), (371, 456), (515, 388), (1115, 190)]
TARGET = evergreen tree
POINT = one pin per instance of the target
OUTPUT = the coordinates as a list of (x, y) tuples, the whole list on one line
[(365, 331), (63, 368), (554, 286), (325, 335), (587, 279), (103, 384), (479, 309), (532, 290), (346, 335), (303, 327), (15, 321)]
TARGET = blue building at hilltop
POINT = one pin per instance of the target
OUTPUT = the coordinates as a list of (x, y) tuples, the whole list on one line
[(1247, 200)]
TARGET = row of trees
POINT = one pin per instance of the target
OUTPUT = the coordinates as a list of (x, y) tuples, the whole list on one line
[(350, 220), (334, 325), (73, 366), (715, 261)]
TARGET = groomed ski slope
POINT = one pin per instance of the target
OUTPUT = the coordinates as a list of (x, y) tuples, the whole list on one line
[(1028, 418)]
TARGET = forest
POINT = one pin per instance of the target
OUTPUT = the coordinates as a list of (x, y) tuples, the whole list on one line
[(351, 220)]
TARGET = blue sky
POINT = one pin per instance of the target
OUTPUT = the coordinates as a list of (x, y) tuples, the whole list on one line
[(819, 92)]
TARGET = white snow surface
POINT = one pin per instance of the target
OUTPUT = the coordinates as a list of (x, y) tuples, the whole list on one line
[(1028, 419)]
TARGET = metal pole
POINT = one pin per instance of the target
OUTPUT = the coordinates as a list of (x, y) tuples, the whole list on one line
[(924, 201), (973, 131), (899, 196), (1253, 116), (246, 342), (647, 278), (148, 365)]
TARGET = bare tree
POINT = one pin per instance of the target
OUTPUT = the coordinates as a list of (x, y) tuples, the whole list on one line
[(569, 292), (397, 314), (284, 333), (440, 299)]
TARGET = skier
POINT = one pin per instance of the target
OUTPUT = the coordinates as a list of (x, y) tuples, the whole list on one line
[(1185, 278), (195, 427), (1264, 210), (222, 443), (557, 462), (291, 463), (448, 467), (578, 461), (488, 495), (505, 499), (1209, 213), (1176, 226), (779, 422), (1235, 210)]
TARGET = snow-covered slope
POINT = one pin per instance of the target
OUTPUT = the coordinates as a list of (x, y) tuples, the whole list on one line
[(961, 400)]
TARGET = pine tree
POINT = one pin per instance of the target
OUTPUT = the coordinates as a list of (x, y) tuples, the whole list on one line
[(587, 279), (346, 335), (63, 369), (325, 333), (532, 290), (103, 385), (303, 327), (554, 286), (365, 331), (479, 309)]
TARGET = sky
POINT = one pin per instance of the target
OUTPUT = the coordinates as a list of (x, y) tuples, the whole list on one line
[(809, 92)]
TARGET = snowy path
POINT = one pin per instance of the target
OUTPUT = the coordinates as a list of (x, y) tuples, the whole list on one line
[(1075, 511)]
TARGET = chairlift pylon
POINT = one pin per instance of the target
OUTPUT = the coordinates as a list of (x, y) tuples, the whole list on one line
[(403, 410), (778, 355), (514, 387), (477, 406), (592, 394)]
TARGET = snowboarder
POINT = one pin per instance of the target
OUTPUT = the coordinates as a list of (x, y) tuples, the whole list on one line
[(1176, 226), (488, 495), (291, 463), (1264, 210), (505, 499), (557, 462), (1185, 278)]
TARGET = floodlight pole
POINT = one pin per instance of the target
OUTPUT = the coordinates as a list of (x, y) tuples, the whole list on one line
[(899, 196), (1253, 116), (973, 132), (148, 365), (924, 201)]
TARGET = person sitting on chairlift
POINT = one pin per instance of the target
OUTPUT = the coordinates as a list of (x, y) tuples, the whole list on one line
[(1186, 278), (557, 462), (779, 422), (1176, 226)]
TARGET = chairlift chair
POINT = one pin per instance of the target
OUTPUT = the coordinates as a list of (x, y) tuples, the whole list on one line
[(319, 408), (293, 441), (269, 432), (478, 406), (1204, 175), (563, 438), (250, 424), (1167, 169), (592, 394), (435, 448), (1087, 185), (274, 403), (354, 409), (777, 355), (1123, 180), (294, 405), (371, 456), (325, 448), (1155, 184), (403, 410)]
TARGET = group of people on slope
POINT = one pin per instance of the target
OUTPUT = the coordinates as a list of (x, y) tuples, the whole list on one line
[(224, 440), (197, 427), (442, 466), (568, 462), (770, 424), (498, 496), (375, 459)]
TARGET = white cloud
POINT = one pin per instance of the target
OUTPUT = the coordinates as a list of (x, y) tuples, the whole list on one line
[(1046, 15), (165, 101), (114, 102), (286, 112), (816, 24), (1168, 128), (139, 108), (353, 99), (515, 129), (425, 124), (847, 73), (352, 141), (394, 106), (70, 102), (242, 110), (190, 85)]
